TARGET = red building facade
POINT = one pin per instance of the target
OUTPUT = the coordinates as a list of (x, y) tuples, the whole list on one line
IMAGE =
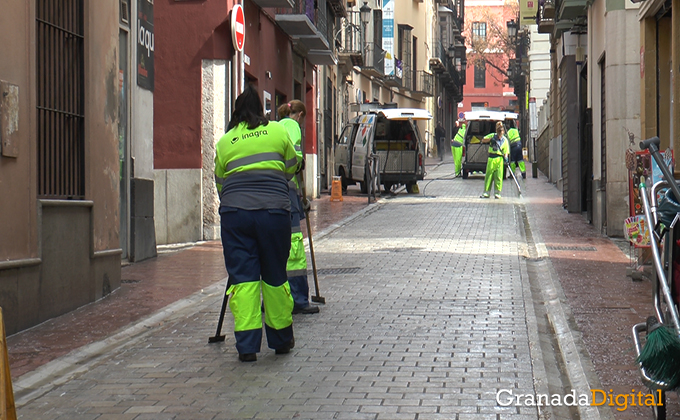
[(486, 85)]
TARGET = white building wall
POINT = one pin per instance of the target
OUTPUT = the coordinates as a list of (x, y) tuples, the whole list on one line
[(539, 65)]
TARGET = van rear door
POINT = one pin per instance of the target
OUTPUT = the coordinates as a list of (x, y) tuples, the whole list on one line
[(363, 142)]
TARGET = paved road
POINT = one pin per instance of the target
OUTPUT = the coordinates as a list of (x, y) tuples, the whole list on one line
[(429, 313)]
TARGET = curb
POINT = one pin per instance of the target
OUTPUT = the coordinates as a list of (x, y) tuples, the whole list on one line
[(579, 368)]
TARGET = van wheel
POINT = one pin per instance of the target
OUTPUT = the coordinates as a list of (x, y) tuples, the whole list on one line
[(343, 180), (411, 187), (465, 174)]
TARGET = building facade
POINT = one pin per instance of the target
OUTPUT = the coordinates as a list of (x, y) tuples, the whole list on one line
[(488, 84), (60, 168), (595, 50)]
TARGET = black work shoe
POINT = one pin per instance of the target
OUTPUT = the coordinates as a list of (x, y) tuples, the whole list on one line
[(309, 309), (286, 349), (247, 357), (524, 175)]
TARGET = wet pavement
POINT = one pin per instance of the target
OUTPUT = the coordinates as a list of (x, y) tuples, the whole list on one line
[(355, 333)]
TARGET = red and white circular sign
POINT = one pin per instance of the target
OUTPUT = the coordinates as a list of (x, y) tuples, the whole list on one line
[(238, 27)]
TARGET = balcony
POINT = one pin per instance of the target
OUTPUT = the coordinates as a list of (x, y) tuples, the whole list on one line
[(395, 80), (438, 58), (338, 7), (282, 4), (350, 53), (419, 82), (298, 21), (571, 9), (374, 60), (308, 27), (546, 26), (424, 84)]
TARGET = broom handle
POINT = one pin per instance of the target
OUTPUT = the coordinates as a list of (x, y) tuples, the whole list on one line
[(661, 277)]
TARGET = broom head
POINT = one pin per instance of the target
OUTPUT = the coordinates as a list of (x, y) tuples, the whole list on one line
[(660, 356)]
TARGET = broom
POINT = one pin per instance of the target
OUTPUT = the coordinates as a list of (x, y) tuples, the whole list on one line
[(660, 356)]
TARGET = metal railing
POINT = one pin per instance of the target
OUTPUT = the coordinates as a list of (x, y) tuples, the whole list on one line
[(316, 13), (424, 82), (374, 57), (351, 42)]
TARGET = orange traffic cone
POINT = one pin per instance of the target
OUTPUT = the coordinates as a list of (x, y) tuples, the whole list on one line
[(336, 189), (7, 409)]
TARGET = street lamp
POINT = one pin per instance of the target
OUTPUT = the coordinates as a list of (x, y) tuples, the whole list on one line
[(365, 12), (512, 30)]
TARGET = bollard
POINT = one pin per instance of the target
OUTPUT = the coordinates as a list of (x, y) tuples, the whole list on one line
[(7, 409), (336, 189)]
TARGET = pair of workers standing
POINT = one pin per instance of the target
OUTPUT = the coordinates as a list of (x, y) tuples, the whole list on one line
[(501, 151), (254, 163)]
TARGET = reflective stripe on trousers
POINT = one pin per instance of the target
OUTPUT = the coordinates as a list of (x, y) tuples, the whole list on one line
[(256, 245)]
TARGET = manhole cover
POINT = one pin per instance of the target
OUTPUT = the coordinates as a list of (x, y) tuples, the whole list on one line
[(333, 271), (570, 248)]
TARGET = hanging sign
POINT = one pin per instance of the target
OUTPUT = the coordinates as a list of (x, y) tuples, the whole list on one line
[(145, 44)]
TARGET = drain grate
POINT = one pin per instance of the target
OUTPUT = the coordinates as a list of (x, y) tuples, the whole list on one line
[(395, 249), (570, 248), (129, 281), (334, 271)]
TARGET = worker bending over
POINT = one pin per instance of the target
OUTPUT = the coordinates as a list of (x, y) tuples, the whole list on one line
[(516, 155)]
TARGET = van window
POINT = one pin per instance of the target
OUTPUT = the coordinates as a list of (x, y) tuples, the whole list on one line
[(346, 134), (476, 130)]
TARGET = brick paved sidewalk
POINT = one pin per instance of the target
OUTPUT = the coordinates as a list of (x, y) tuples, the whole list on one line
[(604, 302)]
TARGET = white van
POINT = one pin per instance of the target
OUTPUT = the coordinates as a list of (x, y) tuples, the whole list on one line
[(394, 136), (478, 125)]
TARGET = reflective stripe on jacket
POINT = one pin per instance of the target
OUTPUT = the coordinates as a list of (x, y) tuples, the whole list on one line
[(513, 135), (295, 134), (252, 167)]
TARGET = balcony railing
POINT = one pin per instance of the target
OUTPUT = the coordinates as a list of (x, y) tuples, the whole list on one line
[(374, 59), (304, 19), (424, 83), (350, 42), (395, 80), (438, 58)]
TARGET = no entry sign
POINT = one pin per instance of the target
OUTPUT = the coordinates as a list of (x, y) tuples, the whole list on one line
[(238, 27)]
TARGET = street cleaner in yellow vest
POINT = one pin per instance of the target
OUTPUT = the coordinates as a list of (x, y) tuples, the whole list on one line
[(254, 161), (498, 156), (457, 144), (516, 155), (291, 115)]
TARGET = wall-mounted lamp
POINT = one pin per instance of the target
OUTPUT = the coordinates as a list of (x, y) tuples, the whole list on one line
[(268, 74)]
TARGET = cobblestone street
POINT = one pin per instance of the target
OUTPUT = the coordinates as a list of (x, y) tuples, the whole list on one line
[(428, 316)]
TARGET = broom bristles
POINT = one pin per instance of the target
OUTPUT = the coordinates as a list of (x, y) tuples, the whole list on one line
[(660, 356)]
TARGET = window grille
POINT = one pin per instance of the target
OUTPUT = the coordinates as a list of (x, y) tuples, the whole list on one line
[(60, 110), (480, 76)]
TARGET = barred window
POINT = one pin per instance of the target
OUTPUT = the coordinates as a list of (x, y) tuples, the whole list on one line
[(480, 75), (60, 87)]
